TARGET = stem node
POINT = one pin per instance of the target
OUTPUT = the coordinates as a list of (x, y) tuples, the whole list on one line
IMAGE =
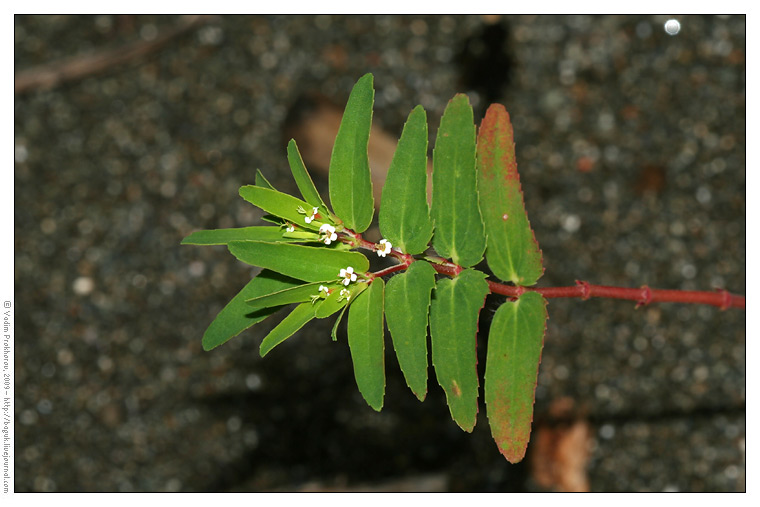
[(646, 296), (585, 289)]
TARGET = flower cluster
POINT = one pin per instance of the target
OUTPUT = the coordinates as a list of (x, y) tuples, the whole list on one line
[(348, 275), (384, 248), (329, 233)]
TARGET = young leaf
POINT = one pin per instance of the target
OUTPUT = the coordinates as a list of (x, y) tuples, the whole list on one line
[(365, 339), (307, 263), (514, 353), (300, 315), (458, 226), (261, 181), (407, 301), (454, 314), (349, 175), (224, 236), (334, 333), (299, 294), (303, 180), (237, 316), (512, 251), (283, 206), (404, 214)]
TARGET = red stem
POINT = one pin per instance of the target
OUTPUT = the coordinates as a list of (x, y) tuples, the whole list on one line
[(643, 296), (582, 289)]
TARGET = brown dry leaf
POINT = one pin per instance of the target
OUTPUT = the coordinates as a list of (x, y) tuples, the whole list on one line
[(559, 453)]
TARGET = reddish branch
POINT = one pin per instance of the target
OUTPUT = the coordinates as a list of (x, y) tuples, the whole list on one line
[(720, 298), (643, 296)]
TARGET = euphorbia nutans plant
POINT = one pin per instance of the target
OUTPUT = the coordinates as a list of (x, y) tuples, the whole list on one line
[(314, 257)]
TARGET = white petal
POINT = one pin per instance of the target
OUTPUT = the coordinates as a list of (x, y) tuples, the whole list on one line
[(333, 236), (346, 281), (308, 219), (349, 269), (342, 273), (353, 277)]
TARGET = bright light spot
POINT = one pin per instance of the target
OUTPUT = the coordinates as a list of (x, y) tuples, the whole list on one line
[(672, 26), (83, 285)]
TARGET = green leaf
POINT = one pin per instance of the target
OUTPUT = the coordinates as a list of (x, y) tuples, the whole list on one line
[(512, 251), (288, 296), (407, 301), (301, 236), (365, 339), (300, 315), (282, 205), (404, 214), (454, 314), (303, 180), (458, 227), (307, 263), (237, 316), (514, 353), (349, 175), (224, 236), (334, 333), (261, 181)]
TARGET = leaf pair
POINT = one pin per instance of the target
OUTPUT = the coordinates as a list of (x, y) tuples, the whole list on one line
[(517, 331), (311, 306)]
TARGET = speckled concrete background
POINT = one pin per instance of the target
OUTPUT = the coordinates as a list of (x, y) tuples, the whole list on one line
[(631, 145)]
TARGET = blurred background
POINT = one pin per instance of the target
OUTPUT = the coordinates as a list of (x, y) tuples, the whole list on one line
[(133, 131)]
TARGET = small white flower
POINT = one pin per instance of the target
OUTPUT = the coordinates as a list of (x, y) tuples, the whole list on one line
[(345, 294), (348, 275), (384, 248), (309, 219), (329, 232), (323, 292), (291, 228)]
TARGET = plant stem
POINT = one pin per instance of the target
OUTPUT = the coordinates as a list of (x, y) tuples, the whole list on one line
[(644, 295)]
